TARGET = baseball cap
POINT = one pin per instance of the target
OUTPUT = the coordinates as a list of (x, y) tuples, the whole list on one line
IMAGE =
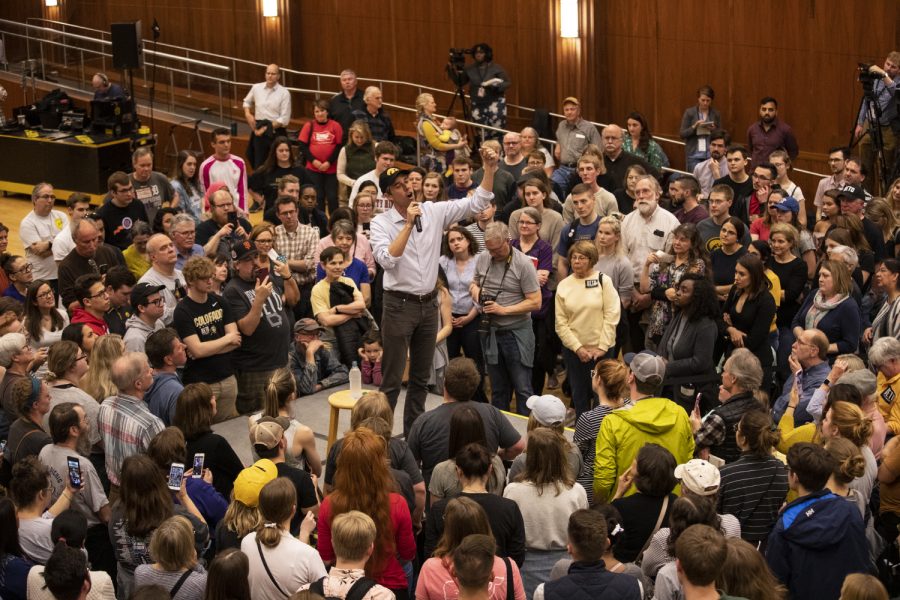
[(788, 204), (647, 366), (699, 476), (852, 192), (571, 100), (547, 409), (308, 325), (251, 480), (142, 291), (266, 432), (388, 178), (243, 249)]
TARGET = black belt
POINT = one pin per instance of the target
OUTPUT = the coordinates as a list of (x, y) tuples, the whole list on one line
[(412, 297)]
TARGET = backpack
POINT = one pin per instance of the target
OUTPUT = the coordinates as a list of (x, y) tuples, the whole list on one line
[(359, 589)]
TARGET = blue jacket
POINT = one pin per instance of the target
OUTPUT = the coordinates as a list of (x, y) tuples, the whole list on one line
[(812, 378), (162, 395), (841, 325), (817, 541), (591, 581)]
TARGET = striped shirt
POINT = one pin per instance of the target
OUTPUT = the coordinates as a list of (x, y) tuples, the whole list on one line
[(126, 427), (753, 489), (586, 430)]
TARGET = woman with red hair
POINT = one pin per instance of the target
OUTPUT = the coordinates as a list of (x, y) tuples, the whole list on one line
[(364, 483)]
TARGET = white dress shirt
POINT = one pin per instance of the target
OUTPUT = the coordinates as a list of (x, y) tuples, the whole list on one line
[(269, 103)]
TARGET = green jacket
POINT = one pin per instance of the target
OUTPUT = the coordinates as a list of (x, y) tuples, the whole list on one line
[(624, 431)]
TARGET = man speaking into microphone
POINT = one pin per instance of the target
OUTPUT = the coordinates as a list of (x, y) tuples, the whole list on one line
[(406, 241)]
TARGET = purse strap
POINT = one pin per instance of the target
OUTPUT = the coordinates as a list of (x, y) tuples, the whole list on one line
[(659, 520), (268, 571), (510, 592), (180, 583)]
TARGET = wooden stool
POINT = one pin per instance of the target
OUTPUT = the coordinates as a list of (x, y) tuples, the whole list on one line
[(338, 401)]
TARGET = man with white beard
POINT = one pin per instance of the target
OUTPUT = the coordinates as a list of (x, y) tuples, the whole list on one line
[(644, 230)]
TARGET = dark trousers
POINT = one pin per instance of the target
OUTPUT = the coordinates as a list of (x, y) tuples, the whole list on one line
[(326, 189), (465, 339), (259, 146), (412, 332), (579, 375), (100, 550), (635, 331)]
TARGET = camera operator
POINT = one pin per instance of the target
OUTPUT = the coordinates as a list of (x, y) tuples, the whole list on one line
[(487, 86), (507, 289), (884, 91)]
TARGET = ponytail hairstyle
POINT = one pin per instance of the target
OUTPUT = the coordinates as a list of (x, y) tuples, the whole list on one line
[(848, 459), (277, 504), (614, 528), (851, 423), (757, 429), (280, 389)]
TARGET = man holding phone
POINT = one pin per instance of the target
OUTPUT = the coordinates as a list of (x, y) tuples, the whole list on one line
[(224, 225), (261, 314), (68, 426)]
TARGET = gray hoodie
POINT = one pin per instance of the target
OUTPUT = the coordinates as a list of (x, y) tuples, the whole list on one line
[(137, 332)]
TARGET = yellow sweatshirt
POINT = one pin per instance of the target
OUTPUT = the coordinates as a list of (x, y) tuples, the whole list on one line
[(587, 312)]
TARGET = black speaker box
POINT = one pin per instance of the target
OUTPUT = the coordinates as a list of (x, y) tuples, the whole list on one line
[(127, 47)]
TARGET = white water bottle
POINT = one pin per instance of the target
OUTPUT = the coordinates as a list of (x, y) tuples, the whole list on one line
[(355, 382)]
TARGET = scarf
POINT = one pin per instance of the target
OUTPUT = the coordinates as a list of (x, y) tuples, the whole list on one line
[(821, 307)]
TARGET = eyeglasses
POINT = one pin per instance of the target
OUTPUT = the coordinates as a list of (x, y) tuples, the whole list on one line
[(99, 294), (521, 222), (190, 233), (26, 269), (158, 302), (81, 357), (224, 206), (45, 295)]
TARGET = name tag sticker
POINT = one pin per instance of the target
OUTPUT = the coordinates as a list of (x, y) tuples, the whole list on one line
[(579, 136), (591, 283)]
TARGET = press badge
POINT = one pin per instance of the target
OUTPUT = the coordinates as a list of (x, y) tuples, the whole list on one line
[(591, 283)]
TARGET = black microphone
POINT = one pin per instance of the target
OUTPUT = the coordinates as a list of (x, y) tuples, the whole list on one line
[(418, 221)]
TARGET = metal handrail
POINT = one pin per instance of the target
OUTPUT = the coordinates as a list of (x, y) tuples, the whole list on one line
[(318, 76)]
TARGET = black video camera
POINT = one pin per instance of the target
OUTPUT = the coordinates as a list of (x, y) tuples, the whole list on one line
[(866, 77), (456, 65), (484, 323)]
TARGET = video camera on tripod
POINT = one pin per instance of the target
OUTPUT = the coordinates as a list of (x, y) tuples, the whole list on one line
[(456, 65), (866, 77)]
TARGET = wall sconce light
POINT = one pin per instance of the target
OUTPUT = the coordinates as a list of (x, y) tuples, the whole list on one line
[(270, 8), (51, 2), (568, 18)]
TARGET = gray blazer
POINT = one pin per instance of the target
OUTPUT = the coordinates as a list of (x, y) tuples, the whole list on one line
[(689, 134), (691, 359)]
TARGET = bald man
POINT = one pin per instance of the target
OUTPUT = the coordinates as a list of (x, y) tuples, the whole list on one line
[(267, 109), (161, 250)]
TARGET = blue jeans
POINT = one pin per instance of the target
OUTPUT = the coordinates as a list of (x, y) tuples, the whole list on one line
[(561, 178), (509, 374)]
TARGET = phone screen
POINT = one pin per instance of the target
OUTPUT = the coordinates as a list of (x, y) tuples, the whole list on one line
[(74, 471), (233, 219), (198, 465), (176, 474), (697, 401)]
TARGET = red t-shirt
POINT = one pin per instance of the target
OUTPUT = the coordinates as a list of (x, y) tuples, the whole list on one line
[(393, 576), (324, 140)]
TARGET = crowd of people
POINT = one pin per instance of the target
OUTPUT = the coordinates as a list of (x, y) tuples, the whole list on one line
[(730, 355)]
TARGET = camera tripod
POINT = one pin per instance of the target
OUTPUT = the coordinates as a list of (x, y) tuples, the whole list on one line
[(869, 102)]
